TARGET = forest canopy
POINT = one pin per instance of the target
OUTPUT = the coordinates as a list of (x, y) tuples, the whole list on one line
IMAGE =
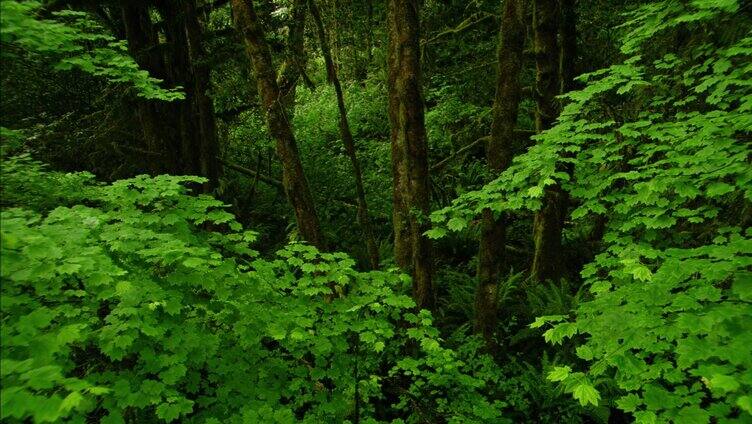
[(367, 211)]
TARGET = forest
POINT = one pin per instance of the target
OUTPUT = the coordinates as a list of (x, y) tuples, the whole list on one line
[(376, 211)]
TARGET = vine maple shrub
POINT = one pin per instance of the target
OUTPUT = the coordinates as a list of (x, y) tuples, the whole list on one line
[(119, 303), (671, 319)]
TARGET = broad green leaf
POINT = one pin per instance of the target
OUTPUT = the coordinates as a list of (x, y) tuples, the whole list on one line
[(586, 394), (559, 373)]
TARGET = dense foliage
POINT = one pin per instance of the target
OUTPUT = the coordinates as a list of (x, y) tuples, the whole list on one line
[(127, 302), (664, 170), (70, 35), (130, 293)]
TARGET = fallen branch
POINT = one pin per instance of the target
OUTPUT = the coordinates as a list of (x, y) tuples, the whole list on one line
[(252, 173), (447, 159), (443, 162), (467, 23)]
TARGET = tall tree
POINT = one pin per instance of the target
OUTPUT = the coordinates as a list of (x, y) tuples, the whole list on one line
[(183, 132), (293, 177), (182, 35), (181, 116), (568, 44), (203, 106), (491, 253), (412, 249), (364, 219), (142, 42), (549, 220)]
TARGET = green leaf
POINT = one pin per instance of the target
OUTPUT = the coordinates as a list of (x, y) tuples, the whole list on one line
[(168, 412), (456, 224), (645, 417), (436, 233), (559, 373), (693, 415), (586, 394), (535, 191), (629, 403), (72, 401), (745, 403), (584, 352), (561, 331), (173, 374), (742, 286), (724, 382), (641, 272), (718, 189), (541, 321)]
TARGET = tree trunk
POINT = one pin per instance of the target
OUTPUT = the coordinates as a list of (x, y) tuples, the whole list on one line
[(548, 222), (568, 48), (409, 149), (139, 32), (187, 150), (208, 143), (363, 217), (293, 178), (491, 254), (158, 120)]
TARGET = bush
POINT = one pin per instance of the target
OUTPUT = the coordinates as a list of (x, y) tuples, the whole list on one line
[(137, 302)]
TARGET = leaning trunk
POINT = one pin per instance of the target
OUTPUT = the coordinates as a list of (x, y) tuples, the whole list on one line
[(491, 254), (409, 149), (344, 128), (293, 178)]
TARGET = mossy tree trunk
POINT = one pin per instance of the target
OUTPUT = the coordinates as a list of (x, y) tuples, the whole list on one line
[(568, 48), (293, 177), (409, 149), (183, 132), (549, 220), (491, 254)]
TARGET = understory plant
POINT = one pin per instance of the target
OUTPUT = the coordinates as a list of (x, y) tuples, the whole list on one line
[(138, 302), (655, 155)]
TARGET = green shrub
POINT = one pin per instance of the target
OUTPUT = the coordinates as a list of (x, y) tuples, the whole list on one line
[(671, 320), (137, 302)]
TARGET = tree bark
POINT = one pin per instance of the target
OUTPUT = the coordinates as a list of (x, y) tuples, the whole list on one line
[(293, 177), (568, 47), (186, 151), (548, 222), (363, 217), (491, 254), (139, 32), (204, 106), (409, 149)]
